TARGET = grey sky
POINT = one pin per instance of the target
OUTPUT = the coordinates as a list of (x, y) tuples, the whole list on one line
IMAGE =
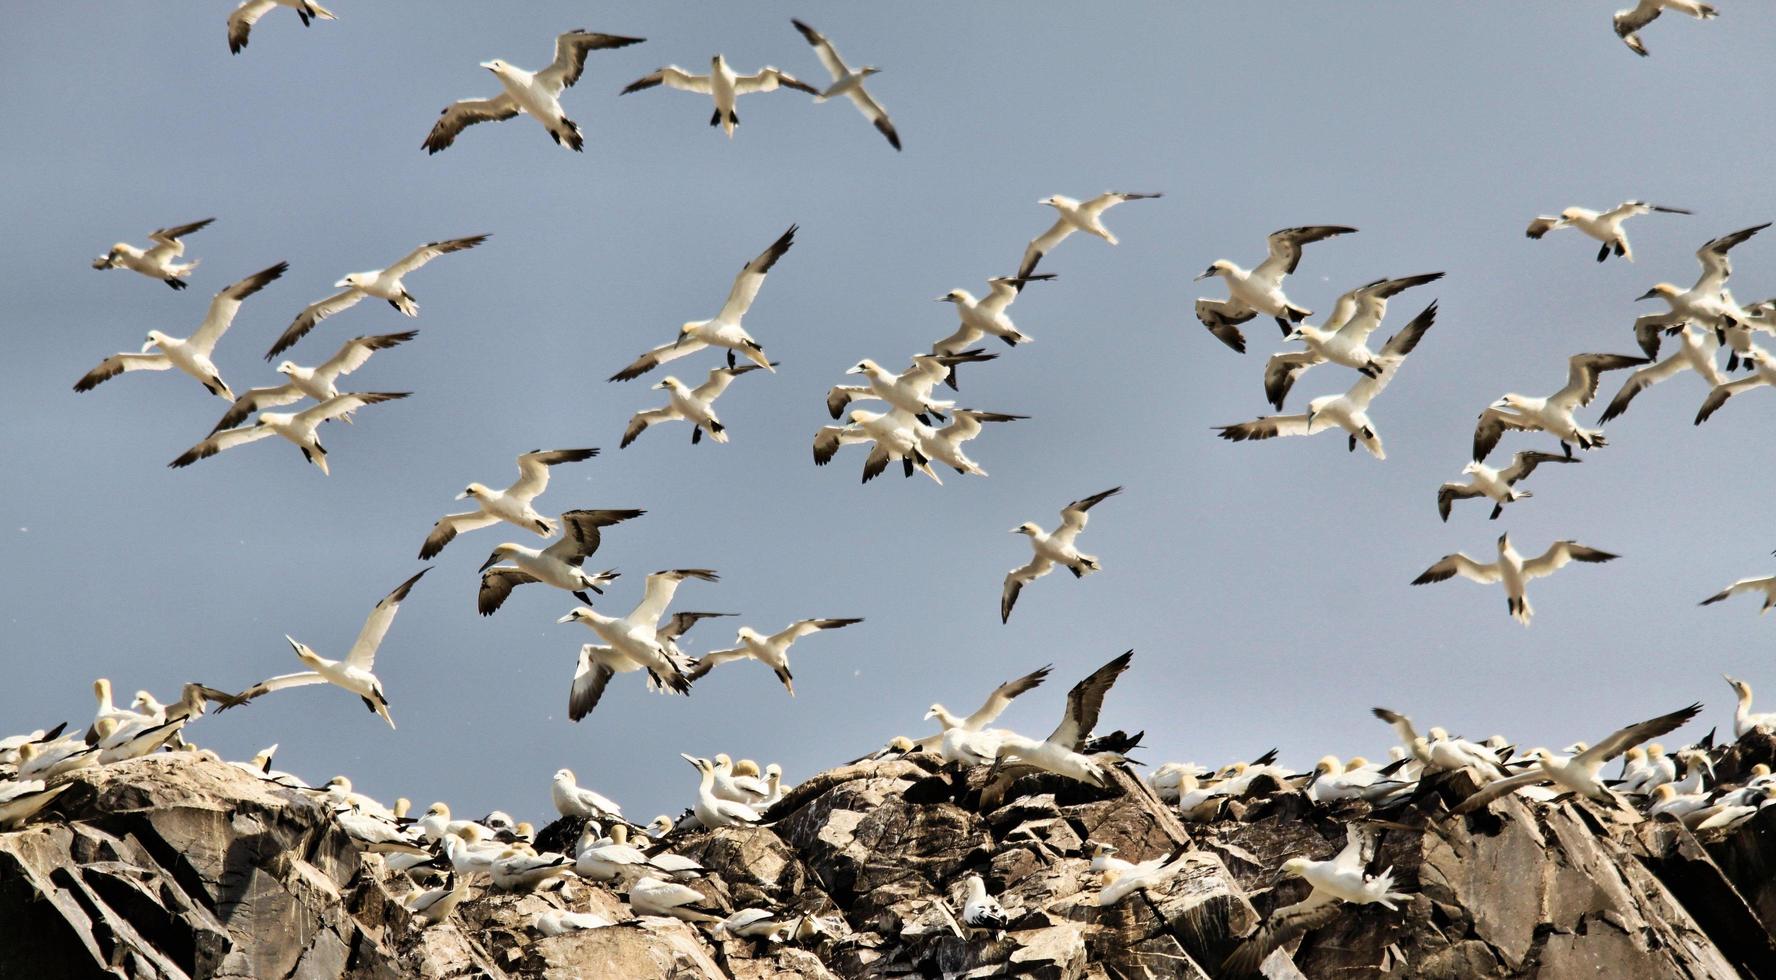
[(1264, 587)]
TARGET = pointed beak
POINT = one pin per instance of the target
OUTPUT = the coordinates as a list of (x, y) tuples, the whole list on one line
[(1649, 294), (341, 284), (690, 759), (853, 370), (463, 495), (566, 619), (663, 384), (491, 561), (1206, 274), (490, 66)]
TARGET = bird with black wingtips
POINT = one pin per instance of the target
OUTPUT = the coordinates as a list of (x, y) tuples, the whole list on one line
[(159, 260), (1581, 773), (1629, 22), (633, 642), (1761, 362), (241, 21), (722, 85), (771, 650), (909, 391), (513, 505), (1068, 750), (297, 427), (1705, 304), (981, 910), (534, 93), (1553, 414), (1053, 549), (848, 82), (1498, 485), (712, 810), (986, 315), (1343, 879), (724, 329), (1602, 226), (1765, 585), (560, 564), (986, 714), (651, 896), (1342, 340), (1260, 289), (1745, 721), (891, 435), (387, 284), (1696, 351), (320, 382), (687, 404), (1071, 216), (945, 445), (1513, 570)]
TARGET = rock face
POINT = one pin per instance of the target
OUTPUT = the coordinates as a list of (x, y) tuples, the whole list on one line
[(171, 866)]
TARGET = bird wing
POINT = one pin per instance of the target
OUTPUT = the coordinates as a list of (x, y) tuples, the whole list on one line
[(719, 379), (460, 115), (431, 250), (312, 314), (639, 422), (1284, 924), (1349, 859), (1501, 787), (714, 659), (1401, 724), (1015, 580), (226, 304), (1718, 395), (1285, 249), (1491, 427), (661, 586), (533, 469), (1524, 463), (747, 283), (1644, 12), (449, 526), (1002, 290), (1402, 343), (355, 353), (278, 683), (497, 584), (874, 112), (767, 79), (1109, 199), (363, 650), (171, 236), (345, 404), (671, 76), (1713, 256), (681, 623), (1558, 555), (1281, 371), (118, 364), (1041, 245), (1583, 372), (240, 24), (1002, 695), (1073, 516), (656, 357), (1450, 492), (1622, 739), (1743, 585), (807, 627), (570, 57), (1641, 380), (1459, 564), (1085, 700), (823, 49), (1543, 224), (580, 532), (588, 685), (218, 441), (1268, 427)]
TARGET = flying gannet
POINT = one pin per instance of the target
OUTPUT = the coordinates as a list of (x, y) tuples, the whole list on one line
[(980, 910), (724, 330), (1496, 485), (634, 640), (352, 673), (240, 23), (1766, 585), (591, 675), (848, 82), (1053, 549), (722, 85), (384, 284), (159, 260), (320, 382), (1629, 22), (983, 316), (512, 505), (1695, 352), (771, 650), (536, 94), (1260, 290), (893, 435), (1349, 411), (1344, 338), (711, 809), (687, 404), (945, 445), (1760, 361), (1604, 226), (561, 564), (299, 428), (1072, 216), (1069, 749), (189, 354), (908, 391), (1553, 414), (1580, 774), (1705, 304), (1513, 570), (1342, 879), (988, 712), (651, 896)]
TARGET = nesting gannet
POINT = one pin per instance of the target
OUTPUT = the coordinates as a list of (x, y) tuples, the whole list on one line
[(1064, 751), (298, 427), (159, 260), (651, 896), (469, 853), (1496, 485), (352, 673), (981, 910), (1744, 721), (118, 742), (512, 505), (241, 21), (1604, 226), (687, 404), (1553, 414), (1512, 570), (1053, 549), (560, 565), (945, 445), (384, 284), (320, 382), (986, 315), (435, 904), (558, 922), (1333, 782), (378, 835), (1580, 774), (1342, 879), (772, 650), (189, 354), (990, 709), (519, 869), (536, 94), (892, 435), (605, 858), (1146, 875), (959, 747), (21, 800), (908, 391), (1629, 22), (848, 82), (1695, 353), (755, 924), (1342, 340), (1260, 290), (574, 800), (722, 85), (48, 759), (724, 329), (713, 810), (634, 640), (596, 663), (1704, 304), (1349, 411), (1072, 216), (1760, 361)]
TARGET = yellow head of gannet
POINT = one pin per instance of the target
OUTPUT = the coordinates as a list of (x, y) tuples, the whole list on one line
[(1356, 762), (472, 490), (1295, 867), (1219, 267), (902, 744), (619, 833), (1655, 751), (1662, 290), (102, 691), (723, 763), (1760, 770), (1328, 765), (1663, 792), (1027, 527), (1742, 689), (746, 767)]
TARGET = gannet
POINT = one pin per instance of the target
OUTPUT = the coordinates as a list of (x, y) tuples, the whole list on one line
[(713, 810), (1167, 780), (20, 800), (990, 709), (634, 641), (1332, 781), (1553, 414), (1744, 721), (945, 445), (1064, 751), (557, 922), (117, 742), (1629, 22), (468, 853), (591, 672), (352, 673), (983, 316), (512, 505), (1705, 304), (651, 896), (10, 745), (535, 94), (1497, 485), (435, 904), (1695, 353), (108, 709), (964, 748), (159, 260), (1052, 549), (384, 284), (241, 21), (1341, 879), (771, 650), (908, 391), (774, 788), (519, 869), (724, 329), (1580, 773), (1759, 361), (320, 382), (1766, 585), (722, 85), (1724, 816), (298, 428), (1349, 411), (1604, 226), (1342, 340), (46, 760), (848, 82), (378, 835), (436, 823), (891, 434), (687, 404), (561, 564), (574, 800), (1072, 216), (605, 858), (677, 866), (980, 910), (737, 781), (1512, 570), (189, 354), (1260, 290), (1140, 877), (754, 923)]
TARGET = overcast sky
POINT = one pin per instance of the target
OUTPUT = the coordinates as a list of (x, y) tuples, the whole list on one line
[(1262, 586)]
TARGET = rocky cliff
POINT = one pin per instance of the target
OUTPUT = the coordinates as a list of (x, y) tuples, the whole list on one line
[(173, 866)]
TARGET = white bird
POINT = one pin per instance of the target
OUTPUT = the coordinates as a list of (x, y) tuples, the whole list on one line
[(20, 800), (1065, 751), (298, 427), (980, 910), (892, 435), (1512, 570), (435, 904), (240, 23), (1341, 879), (514, 505), (755, 923), (1580, 774), (634, 640), (468, 853), (574, 800), (724, 329), (990, 710), (1496, 485), (722, 85), (1072, 216), (848, 82), (353, 673), (379, 835), (908, 391), (1695, 353), (687, 404), (520, 869), (557, 922), (605, 858), (771, 650), (1603, 226), (1553, 414), (945, 445), (118, 742), (1705, 304), (980, 317), (561, 564), (159, 260), (48, 759), (1342, 340), (384, 284), (536, 94), (189, 354), (651, 896), (1349, 411), (596, 663), (1260, 290), (1761, 362), (1744, 721), (1140, 877), (320, 382), (959, 747), (1053, 549), (713, 810), (1629, 22)]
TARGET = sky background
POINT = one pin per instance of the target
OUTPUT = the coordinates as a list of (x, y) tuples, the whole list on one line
[(1262, 586)]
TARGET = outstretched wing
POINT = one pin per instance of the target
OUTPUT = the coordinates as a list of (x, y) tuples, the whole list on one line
[(589, 680), (218, 441), (1042, 245), (656, 357), (681, 623), (661, 586), (670, 76), (767, 79), (1524, 463), (460, 115), (714, 659), (1713, 256), (312, 314), (1268, 427), (1084, 702), (1002, 695), (355, 353), (255, 400), (808, 627), (1448, 493), (533, 469), (345, 404), (431, 250), (171, 236), (363, 650), (118, 364), (747, 283), (720, 378), (1559, 555), (497, 584), (823, 49), (570, 57), (1459, 564), (449, 526), (1543, 224), (1073, 516), (1285, 249), (226, 304), (1583, 372), (580, 532)]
